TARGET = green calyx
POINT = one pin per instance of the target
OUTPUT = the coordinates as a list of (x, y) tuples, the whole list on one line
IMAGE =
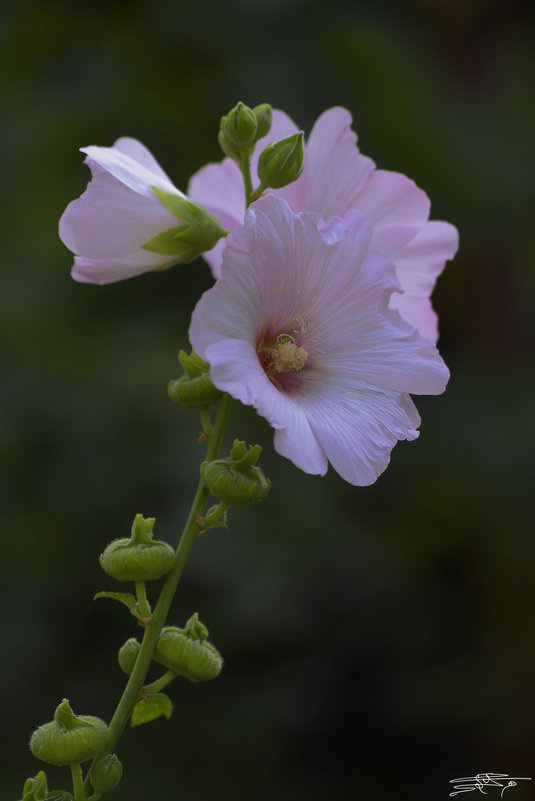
[(106, 773), (281, 163), (139, 558), (69, 738), (236, 479), (35, 789), (199, 230), (187, 652), (194, 389), (128, 654)]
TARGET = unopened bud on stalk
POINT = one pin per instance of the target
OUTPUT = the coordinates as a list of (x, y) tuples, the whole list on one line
[(236, 479), (139, 558), (35, 789), (194, 389), (69, 738), (240, 126), (281, 163), (187, 652), (264, 117), (106, 773), (128, 654)]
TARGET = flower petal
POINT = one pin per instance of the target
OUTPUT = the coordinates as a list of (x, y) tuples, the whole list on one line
[(131, 173), (106, 271), (137, 151), (234, 368), (418, 264), (357, 426), (335, 170), (110, 220)]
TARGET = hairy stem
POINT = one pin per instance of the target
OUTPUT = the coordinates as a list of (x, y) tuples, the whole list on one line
[(152, 632)]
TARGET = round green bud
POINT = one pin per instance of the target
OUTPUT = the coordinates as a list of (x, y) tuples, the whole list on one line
[(106, 773), (264, 117), (139, 558), (194, 388), (35, 789), (128, 654), (187, 652), (69, 738), (239, 126), (281, 163), (236, 479)]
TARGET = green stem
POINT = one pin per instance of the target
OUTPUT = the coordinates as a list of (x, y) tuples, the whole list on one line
[(153, 630), (205, 420), (245, 168), (159, 684), (77, 781), (142, 600)]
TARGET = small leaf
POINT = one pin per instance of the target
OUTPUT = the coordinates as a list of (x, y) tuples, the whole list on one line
[(125, 598), (152, 707)]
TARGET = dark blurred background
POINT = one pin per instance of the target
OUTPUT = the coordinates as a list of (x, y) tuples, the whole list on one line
[(379, 641)]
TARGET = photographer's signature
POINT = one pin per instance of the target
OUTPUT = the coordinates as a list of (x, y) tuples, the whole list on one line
[(467, 784)]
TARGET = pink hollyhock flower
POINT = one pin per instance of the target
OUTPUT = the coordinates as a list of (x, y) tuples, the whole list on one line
[(299, 327), (337, 179), (110, 227)]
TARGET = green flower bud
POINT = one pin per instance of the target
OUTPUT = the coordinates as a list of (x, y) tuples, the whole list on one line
[(139, 558), (69, 738), (239, 126), (106, 773), (128, 654), (264, 116), (236, 479), (281, 163), (194, 388), (35, 789), (199, 230), (187, 652)]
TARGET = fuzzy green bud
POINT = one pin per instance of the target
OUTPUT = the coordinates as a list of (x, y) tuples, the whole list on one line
[(128, 654), (239, 126), (236, 479), (187, 652), (198, 231), (281, 163), (264, 117), (194, 389), (69, 738), (106, 773), (139, 558), (35, 789)]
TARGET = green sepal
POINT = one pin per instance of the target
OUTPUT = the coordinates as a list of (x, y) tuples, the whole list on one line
[(168, 242), (198, 232), (35, 788), (151, 708), (182, 207), (125, 598)]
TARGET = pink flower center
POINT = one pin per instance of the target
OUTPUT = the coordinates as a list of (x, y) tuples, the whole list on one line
[(282, 356)]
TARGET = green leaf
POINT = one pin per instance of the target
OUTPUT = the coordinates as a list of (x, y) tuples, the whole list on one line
[(125, 598), (152, 707)]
